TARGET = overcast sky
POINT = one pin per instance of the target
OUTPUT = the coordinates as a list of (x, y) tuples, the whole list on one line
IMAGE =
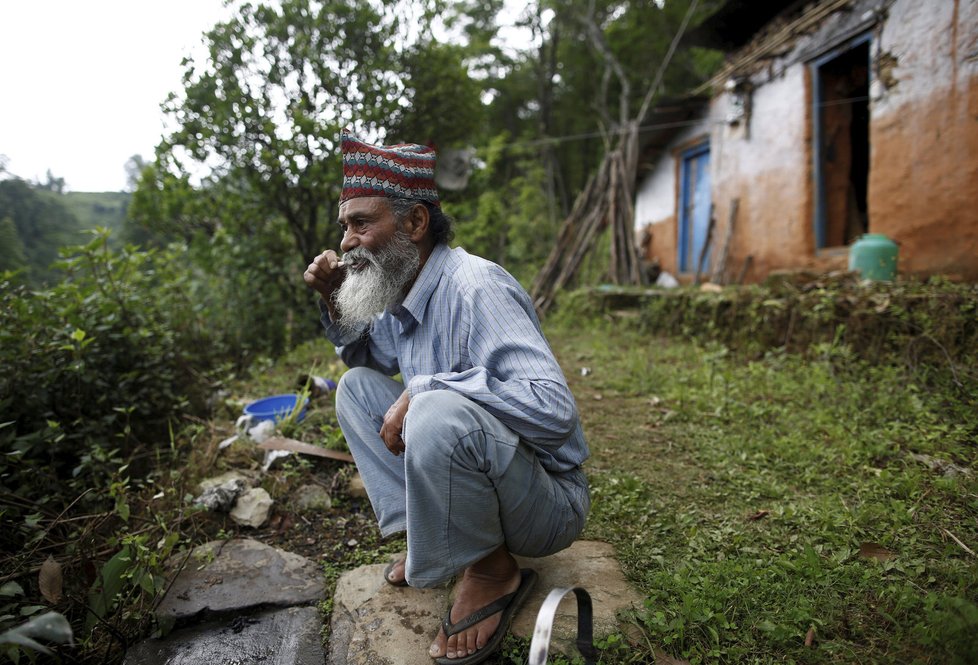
[(81, 81)]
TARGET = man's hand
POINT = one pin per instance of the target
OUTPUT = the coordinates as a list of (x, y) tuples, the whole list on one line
[(324, 275), (393, 425)]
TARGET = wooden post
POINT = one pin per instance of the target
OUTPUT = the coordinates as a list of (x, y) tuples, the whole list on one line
[(706, 245), (721, 265), (744, 269)]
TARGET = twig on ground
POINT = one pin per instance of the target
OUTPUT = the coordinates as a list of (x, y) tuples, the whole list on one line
[(963, 546)]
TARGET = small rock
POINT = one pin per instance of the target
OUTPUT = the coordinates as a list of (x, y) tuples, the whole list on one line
[(309, 498), (941, 466), (248, 478), (252, 508), (221, 497), (356, 488)]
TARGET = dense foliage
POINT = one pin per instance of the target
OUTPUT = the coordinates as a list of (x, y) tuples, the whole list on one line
[(122, 347), (260, 116), (100, 373), (36, 220)]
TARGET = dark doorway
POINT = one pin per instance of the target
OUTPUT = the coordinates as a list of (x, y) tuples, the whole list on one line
[(841, 116)]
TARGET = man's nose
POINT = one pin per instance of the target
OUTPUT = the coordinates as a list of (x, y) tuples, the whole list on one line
[(350, 240)]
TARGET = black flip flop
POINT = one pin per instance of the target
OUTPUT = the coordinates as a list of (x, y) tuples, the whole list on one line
[(389, 569), (508, 605)]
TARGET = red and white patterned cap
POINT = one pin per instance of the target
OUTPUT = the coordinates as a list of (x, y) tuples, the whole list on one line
[(405, 170)]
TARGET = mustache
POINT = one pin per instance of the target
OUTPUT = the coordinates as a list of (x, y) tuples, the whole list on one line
[(360, 255)]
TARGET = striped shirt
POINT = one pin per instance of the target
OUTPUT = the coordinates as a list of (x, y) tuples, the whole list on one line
[(468, 326)]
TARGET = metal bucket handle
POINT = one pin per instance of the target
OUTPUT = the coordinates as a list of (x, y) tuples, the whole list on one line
[(540, 644)]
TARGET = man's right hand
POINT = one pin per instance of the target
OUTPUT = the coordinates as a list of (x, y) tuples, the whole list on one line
[(324, 275)]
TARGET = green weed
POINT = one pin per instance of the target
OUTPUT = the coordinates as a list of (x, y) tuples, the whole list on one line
[(753, 484)]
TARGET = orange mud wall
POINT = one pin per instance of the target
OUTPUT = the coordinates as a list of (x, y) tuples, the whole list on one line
[(765, 164), (923, 161), (923, 177)]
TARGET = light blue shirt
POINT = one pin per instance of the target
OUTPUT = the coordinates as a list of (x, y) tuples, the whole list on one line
[(468, 326)]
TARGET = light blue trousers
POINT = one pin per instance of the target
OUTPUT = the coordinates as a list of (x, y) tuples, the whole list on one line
[(465, 485)]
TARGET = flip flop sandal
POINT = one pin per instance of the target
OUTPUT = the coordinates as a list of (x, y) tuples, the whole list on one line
[(389, 569), (508, 605)]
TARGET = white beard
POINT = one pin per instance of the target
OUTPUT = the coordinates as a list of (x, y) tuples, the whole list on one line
[(380, 284)]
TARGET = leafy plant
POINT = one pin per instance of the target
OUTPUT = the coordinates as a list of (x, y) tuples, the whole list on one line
[(23, 639)]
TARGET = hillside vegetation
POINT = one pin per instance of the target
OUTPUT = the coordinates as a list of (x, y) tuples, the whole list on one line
[(35, 222)]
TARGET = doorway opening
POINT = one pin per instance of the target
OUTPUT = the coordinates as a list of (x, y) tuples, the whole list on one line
[(841, 149)]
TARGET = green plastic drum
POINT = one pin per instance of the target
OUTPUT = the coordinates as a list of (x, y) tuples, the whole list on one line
[(874, 256)]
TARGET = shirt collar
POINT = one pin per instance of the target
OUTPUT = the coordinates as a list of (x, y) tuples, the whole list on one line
[(416, 302)]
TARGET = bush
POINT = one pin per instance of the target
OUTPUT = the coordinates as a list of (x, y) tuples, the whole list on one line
[(97, 363), (126, 344), (930, 326), (99, 375)]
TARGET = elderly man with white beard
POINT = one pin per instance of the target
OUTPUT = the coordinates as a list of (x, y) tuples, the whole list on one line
[(476, 454)]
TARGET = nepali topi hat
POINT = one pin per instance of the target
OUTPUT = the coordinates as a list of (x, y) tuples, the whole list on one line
[(404, 170)]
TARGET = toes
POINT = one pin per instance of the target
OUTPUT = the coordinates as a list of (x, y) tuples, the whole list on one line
[(483, 638), (437, 649), (452, 647), (396, 573), (470, 640)]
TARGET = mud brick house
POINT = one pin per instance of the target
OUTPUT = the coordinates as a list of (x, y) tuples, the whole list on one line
[(829, 119)]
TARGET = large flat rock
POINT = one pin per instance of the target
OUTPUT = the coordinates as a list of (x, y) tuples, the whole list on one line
[(271, 637), (237, 575), (375, 623)]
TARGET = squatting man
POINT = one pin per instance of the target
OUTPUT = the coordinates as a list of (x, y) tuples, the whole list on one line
[(477, 454)]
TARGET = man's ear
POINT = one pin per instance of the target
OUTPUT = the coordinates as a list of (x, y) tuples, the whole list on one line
[(416, 223)]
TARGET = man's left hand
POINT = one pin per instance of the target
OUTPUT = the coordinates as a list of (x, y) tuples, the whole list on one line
[(393, 425)]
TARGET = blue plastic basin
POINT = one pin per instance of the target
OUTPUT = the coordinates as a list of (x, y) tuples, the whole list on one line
[(275, 408)]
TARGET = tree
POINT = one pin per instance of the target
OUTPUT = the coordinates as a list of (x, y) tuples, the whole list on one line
[(134, 167), (266, 108), (52, 184), (441, 99), (12, 255)]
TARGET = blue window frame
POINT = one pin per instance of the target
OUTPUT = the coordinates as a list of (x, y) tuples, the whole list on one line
[(694, 205)]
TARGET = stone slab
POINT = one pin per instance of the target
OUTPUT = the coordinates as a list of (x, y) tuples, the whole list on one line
[(271, 637), (375, 623), (588, 564), (237, 575)]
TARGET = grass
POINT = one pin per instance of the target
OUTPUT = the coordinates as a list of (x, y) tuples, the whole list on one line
[(770, 508), (759, 502)]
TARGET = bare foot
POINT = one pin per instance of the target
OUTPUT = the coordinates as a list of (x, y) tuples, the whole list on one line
[(483, 582)]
